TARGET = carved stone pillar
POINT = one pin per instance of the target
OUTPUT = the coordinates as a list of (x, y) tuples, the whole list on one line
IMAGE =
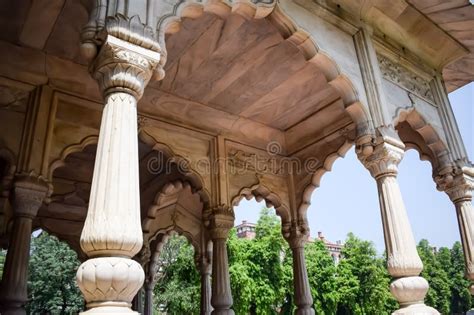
[(459, 189), (28, 195), (297, 236), (148, 308), (112, 231), (403, 262), (205, 270), (222, 220)]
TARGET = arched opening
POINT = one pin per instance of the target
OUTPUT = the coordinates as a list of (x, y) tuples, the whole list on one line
[(176, 279), (52, 287)]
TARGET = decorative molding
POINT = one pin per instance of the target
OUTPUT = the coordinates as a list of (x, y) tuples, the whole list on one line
[(243, 161), (12, 98), (221, 221), (296, 233), (403, 77), (123, 67)]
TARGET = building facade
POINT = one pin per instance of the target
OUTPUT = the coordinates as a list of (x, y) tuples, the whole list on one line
[(124, 121)]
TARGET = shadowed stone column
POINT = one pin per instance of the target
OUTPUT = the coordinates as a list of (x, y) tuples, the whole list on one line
[(205, 270), (112, 232), (403, 262), (297, 236), (148, 309), (28, 195), (222, 220), (137, 303), (459, 189)]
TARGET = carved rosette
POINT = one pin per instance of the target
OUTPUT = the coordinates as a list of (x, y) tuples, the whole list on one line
[(221, 221), (124, 67)]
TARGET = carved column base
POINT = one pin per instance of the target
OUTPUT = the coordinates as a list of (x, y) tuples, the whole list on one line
[(223, 312), (410, 293), (109, 284)]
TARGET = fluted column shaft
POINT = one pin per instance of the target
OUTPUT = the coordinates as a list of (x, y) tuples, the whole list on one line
[(28, 195), (222, 220), (112, 232), (459, 189), (206, 293), (403, 261), (297, 238)]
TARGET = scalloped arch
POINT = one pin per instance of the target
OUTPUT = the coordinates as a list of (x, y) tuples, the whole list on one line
[(440, 156), (316, 178), (192, 176), (260, 192), (170, 192), (77, 147)]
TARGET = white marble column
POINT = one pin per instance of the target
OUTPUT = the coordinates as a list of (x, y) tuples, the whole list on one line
[(28, 195), (297, 236), (222, 220), (403, 261), (459, 189), (205, 270), (112, 232)]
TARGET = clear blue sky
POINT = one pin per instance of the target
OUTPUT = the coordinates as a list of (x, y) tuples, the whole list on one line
[(347, 199)]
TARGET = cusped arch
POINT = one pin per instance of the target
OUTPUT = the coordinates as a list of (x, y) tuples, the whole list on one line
[(417, 133), (262, 193), (73, 148), (318, 174), (168, 213), (183, 165)]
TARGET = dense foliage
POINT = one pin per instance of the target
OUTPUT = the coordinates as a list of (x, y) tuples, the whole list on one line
[(261, 276), (52, 277), (2, 261)]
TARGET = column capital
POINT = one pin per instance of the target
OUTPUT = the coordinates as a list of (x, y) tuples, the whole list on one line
[(221, 221), (458, 184), (28, 195), (122, 66), (384, 159), (296, 233)]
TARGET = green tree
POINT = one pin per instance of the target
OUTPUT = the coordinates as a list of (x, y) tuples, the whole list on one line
[(256, 270), (177, 290), (362, 280), (52, 277), (439, 294), (322, 278), (2, 261), (452, 262)]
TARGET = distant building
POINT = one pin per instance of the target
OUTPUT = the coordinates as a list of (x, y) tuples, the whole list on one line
[(333, 248), (247, 230)]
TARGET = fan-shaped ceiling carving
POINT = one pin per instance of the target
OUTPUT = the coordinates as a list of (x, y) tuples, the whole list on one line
[(246, 67)]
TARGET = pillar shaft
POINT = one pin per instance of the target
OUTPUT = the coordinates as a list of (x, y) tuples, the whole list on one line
[(403, 261), (27, 199), (222, 220), (297, 237), (112, 232), (206, 292), (148, 309), (459, 188)]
